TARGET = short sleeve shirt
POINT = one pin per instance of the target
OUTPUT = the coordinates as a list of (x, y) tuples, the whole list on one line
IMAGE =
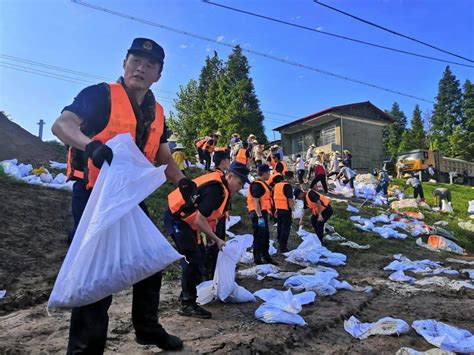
[(313, 197), (210, 198), (256, 190)]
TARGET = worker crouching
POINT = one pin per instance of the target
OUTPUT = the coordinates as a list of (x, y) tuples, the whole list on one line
[(320, 208), (185, 220)]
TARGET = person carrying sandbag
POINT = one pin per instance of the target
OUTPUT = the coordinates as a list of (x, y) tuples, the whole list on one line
[(185, 222), (99, 113)]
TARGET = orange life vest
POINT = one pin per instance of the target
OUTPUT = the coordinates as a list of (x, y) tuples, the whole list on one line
[(200, 143), (220, 149), (176, 201), (265, 200), (210, 147), (279, 198), (241, 156), (121, 120), (313, 206), (272, 177)]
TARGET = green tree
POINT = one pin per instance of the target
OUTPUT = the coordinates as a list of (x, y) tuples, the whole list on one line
[(457, 144), (186, 120), (468, 113), (394, 131), (239, 108), (447, 111)]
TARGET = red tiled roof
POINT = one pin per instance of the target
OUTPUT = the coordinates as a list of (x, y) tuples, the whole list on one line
[(329, 109)]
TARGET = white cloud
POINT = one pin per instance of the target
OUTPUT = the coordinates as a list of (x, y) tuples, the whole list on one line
[(183, 46), (298, 17), (320, 28), (220, 38), (208, 48), (234, 40)]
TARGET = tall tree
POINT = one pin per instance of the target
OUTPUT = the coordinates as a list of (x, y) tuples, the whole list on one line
[(447, 111), (393, 132), (468, 113), (186, 120), (239, 105)]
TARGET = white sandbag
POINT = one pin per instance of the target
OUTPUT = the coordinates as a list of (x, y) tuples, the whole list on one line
[(227, 290), (336, 237), (116, 244), (446, 206), (55, 165), (445, 244), (206, 292), (354, 245), (323, 283), (10, 168), (240, 295), (366, 227), (59, 179), (259, 271), (386, 232), (434, 351), (441, 223), (25, 169), (282, 275), (298, 209), (243, 191), (270, 314), (399, 276), (426, 266), (460, 261), (470, 208), (32, 180), (445, 336), (384, 326), (271, 249), (247, 258), (352, 209), (381, 218), (444, 282)]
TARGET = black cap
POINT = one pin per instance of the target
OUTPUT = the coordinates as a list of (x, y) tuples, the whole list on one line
[(240, 170), (148, 47), (289, 174), (296, 192), (264, 168)]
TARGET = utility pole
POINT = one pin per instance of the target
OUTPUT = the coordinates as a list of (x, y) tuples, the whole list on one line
[(41, 123)]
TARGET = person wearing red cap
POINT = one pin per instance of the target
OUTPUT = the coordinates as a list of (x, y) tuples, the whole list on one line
[(99, 113)]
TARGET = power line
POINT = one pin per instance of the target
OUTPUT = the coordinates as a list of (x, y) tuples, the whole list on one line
[(268, 56), (392, 31), (58, 76), (66, 70), (333, 34)]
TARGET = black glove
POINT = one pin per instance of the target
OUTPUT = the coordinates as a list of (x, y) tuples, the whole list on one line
[(98, 152), (189, 190)]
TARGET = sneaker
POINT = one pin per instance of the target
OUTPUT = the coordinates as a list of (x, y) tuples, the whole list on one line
[(193, 310), (163, 340)]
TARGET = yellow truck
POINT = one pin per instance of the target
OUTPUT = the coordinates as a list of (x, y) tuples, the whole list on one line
[(444, 167)]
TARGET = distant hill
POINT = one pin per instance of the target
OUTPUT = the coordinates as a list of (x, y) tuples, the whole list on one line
[(18, 143)]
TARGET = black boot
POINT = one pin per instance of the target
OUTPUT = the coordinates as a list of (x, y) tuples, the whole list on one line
[(191, 309), (160, 338)]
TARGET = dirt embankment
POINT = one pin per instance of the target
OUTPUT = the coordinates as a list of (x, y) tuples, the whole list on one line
[(34, 224)]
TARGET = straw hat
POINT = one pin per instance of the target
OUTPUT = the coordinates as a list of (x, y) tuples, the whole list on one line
[(218, 133), (337, 152), (172, 138), (341, 164), (252, 135), (312, 146), (347, 151), (179, 146)]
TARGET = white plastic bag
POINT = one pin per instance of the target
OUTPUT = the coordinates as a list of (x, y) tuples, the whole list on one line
[(384, 326), (116, 244), (446, 206), (445, 336)]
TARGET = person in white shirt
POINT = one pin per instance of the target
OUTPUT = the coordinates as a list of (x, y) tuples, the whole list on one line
[(333, 164), (299, 168), (348, 175), (417, 188)]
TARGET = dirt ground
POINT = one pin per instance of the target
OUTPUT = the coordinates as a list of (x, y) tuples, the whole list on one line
[(33, 227)]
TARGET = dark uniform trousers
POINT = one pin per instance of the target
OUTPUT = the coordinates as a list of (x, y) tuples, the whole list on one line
[(283, 227), (319, 226), (201, 155), (212, 250), (207, 158), (88, 329), (192, 266), (261, 237)]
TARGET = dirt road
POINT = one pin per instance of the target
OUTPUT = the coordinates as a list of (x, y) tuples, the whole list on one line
[(34, 223)]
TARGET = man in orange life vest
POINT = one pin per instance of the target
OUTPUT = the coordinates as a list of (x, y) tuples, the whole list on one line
[(221, 163), (243, 154), (208, 149), (278, 173), (284, 203), (200, 143), (320, 208), (185, 223), (260, 204), (97, 114)]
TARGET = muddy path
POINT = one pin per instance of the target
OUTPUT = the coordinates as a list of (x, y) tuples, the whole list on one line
[(32, 248)]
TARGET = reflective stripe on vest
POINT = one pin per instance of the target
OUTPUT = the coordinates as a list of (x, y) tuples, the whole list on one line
[(313, 206), (122, 120), (279, 198), (265, 200), (176, 201), (241, 156)]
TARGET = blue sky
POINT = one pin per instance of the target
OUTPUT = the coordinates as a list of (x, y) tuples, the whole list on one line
[(64, 34)]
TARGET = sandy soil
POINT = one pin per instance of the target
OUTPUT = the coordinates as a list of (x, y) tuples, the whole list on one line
[(34, 224)]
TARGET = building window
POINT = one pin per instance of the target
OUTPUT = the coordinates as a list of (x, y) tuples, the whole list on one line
[(328, 135), (298, 144)]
